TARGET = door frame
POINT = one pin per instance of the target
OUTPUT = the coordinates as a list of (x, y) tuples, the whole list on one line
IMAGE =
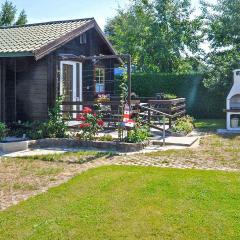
[(74, 83)]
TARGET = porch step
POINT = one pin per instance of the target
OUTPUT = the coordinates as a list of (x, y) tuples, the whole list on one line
[(176, 141)]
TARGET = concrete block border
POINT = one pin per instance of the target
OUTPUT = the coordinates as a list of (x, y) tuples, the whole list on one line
[(10, 147), (73, 143)]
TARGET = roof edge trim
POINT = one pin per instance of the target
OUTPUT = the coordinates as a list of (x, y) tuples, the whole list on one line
[(16, 54)]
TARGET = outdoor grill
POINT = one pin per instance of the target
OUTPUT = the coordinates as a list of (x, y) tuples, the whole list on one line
[(233, 103)]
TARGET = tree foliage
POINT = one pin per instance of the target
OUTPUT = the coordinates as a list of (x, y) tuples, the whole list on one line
[(8, 14), (223, 30), (22, 19), (161, 35)]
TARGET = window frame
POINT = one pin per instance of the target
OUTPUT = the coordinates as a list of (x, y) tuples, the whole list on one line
[(99, 80), (83, 38)]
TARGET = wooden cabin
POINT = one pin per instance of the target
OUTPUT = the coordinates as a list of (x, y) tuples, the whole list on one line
[(39, 62)]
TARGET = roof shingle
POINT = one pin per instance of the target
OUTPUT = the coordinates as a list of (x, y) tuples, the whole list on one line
[(32, 37)]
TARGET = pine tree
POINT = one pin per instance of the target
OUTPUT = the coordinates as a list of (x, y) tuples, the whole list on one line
[(22, 19), (8, 15)]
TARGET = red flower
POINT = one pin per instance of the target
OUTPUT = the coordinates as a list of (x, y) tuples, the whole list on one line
[(87, 110), (84, 125), (80, 117), (100, 122)]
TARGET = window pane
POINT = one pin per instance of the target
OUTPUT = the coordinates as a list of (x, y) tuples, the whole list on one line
[(100, 80)]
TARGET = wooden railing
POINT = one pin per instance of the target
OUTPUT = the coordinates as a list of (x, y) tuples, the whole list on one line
[(110, 110), (175, 107)]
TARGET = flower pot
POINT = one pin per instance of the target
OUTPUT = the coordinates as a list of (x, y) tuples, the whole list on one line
[(234, 122)]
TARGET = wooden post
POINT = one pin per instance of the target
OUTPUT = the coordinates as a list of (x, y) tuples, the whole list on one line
[(3, 90), (129, 63), (164, 130), (15, 90), (149, 116)]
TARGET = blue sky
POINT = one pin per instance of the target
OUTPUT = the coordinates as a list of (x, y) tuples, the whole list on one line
[(49, 10)]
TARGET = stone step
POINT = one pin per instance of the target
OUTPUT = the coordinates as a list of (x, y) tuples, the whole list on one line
[(176, 141)]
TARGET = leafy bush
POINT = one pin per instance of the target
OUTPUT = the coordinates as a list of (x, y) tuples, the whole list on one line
[(91, 123), (169, 96), (184, 125), (107, 138), (3, 130), (35, 130), (55, 127), (138, 134)]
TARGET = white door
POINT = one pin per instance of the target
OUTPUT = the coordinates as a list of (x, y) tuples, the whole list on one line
[(71, 86)]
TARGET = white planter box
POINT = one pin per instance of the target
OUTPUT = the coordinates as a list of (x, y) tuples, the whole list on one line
[(10, 147)]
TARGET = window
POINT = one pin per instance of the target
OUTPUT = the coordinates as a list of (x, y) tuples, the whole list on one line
[(99, 80), (83, 38)]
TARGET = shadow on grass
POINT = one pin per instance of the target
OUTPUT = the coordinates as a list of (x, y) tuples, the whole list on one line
[(209, 125), (230, 136)]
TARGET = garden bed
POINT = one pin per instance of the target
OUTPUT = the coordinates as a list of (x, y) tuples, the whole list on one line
[(73, 143)]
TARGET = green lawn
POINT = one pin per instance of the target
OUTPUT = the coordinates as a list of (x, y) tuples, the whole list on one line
[(210, 124), (119, 202)]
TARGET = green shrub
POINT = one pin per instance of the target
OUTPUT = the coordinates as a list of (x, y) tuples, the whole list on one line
[(107, 138), (138, 134), (3, 131), (55, 127), (184, 125), (169, 96), (201, 102)]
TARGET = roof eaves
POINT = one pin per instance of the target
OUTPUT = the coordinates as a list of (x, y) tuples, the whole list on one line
[(48, 48), (16, 54)]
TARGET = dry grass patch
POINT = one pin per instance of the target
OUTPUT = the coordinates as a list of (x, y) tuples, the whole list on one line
[(21, 178), (215, 152)]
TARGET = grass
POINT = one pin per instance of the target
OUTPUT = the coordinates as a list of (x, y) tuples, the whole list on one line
[(131, 203), (215, 151), (73, 157), (209, 124)]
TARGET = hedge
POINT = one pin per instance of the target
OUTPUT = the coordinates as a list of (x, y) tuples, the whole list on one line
[(201, 103)]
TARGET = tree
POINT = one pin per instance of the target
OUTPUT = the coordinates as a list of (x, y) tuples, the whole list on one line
[(22, 19), (223, 31), (161, 35), (8, 14)]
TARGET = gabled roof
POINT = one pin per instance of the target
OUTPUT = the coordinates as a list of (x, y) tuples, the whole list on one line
[(41, 38)]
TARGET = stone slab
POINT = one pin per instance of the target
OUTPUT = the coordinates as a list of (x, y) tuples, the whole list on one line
[(10, 147), (226, 131), (178, 141)]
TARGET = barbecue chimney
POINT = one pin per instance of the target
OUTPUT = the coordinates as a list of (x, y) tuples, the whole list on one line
[(233, 103)]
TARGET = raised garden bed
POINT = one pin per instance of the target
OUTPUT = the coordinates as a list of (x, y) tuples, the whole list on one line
[(73, 143)]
